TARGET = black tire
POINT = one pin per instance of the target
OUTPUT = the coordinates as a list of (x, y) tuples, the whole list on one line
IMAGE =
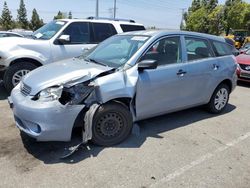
[(216, 109), (112, 124), (10, 72), (1, 75)]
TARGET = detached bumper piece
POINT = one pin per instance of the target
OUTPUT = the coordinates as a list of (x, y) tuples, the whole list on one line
[(10, 102)]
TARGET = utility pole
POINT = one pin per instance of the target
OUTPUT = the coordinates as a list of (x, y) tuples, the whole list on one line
[(97, 9), (114, 9)]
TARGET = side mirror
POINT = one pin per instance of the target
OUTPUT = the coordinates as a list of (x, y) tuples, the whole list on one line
[(147, 64), (64, 39)]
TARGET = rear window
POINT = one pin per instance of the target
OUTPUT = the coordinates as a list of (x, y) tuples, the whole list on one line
[(127, 28), (222, 49), (197, 48), (103, 31)]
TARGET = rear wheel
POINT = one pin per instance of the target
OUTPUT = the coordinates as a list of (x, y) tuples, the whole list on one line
[(112, 124), (15, 73), (219, 99)]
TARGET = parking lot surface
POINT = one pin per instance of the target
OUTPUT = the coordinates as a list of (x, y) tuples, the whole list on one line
[(191, 148)]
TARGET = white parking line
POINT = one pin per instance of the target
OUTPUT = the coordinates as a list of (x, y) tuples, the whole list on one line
[(203, 158)]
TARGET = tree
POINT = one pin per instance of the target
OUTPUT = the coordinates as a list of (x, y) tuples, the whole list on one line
[(59, 15), (235, 15), (215, 25), (70, 15), (211, 5), (6, 18), (35, 22), (246, 20), (22, 16), (196, 4), (231, 10), (197, 21)]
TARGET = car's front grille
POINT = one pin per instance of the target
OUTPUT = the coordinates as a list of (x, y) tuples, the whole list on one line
[(25, 89), (245, 67), (245, 75)]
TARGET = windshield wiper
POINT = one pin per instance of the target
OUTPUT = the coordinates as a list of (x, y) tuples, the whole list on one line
[(95, 61)]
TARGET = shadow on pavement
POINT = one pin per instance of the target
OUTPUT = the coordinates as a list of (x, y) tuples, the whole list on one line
[(3, 92), (50, 152), (243, 84)]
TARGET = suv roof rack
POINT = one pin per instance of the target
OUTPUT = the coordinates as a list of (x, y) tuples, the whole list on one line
[(112, 19)]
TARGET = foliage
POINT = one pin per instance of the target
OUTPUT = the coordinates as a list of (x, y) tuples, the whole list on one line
[(6, 18), (208, 17), (197, 21), (215, 23), (22, 20), (70, 15), (59, 15), (35, 22)]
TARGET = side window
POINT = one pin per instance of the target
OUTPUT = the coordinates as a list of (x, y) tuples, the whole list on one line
[(127, 28), (222, 49), (165, 51), (103, 31), (3, 35), (197, 48), (78, 32)]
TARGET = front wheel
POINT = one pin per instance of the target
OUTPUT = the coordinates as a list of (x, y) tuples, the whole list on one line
[(112, 124), (15, 73), (219, 99)]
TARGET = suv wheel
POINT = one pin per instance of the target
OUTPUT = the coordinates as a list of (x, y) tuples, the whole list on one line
[(112, 124), (219, 99), (15, 73)]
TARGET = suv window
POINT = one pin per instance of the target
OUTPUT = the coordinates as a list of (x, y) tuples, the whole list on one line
[(103, 31), (127, 28), (165, 51), (78, 32), (222, 49), (197, 48)]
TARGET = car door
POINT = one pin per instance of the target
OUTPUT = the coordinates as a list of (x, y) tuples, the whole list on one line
[(202, 69), (163, 89), (80, 39)]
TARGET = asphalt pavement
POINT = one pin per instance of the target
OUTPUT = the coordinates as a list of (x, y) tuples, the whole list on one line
[(191, 148)]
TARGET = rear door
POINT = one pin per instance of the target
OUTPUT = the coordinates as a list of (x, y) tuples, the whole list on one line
[(102, 31), (202, 69)]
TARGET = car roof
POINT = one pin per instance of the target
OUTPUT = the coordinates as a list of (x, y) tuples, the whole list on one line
[(159, 33), (101, 21)]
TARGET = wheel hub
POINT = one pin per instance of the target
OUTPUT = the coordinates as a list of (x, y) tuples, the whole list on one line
[(110, 125), (221, 99)]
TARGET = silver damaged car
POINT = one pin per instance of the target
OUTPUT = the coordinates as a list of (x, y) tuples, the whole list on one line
[(127, 78)]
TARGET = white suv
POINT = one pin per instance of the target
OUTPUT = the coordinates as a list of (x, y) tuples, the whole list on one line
[(57, 40)]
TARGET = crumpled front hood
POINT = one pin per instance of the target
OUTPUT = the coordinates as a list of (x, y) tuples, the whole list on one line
[(62, 72)]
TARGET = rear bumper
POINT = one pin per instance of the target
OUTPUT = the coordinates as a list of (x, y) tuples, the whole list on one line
[(44, 121)]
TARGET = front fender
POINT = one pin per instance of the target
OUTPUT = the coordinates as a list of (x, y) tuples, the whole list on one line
[(121, 84)]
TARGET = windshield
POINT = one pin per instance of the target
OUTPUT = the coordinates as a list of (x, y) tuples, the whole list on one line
[(49, 30), (117, 50)]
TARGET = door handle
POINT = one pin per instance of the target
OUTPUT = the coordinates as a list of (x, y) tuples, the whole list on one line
[(216, 67), (181, 72)]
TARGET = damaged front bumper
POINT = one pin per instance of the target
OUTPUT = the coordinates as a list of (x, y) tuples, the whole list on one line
[(44, 121)]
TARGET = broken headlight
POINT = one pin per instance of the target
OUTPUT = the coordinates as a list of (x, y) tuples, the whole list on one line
[(50, 94), (76, 94)]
